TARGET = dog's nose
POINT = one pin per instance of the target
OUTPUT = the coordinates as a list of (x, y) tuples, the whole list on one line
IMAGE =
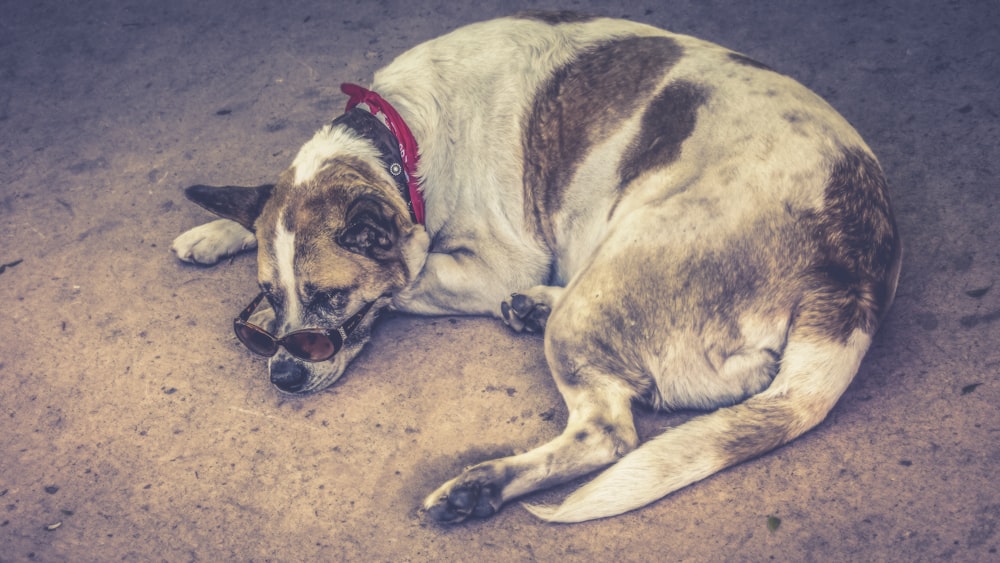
[(288, 376)]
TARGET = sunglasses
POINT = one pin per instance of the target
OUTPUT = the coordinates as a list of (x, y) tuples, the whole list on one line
[(311, 344)]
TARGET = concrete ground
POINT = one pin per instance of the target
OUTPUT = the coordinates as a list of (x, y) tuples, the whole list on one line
[(134, 427)]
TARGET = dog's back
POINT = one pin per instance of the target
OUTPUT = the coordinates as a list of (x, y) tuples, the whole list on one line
[(553, 126)]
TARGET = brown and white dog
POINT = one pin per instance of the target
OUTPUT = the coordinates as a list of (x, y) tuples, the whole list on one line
[(689, 228)]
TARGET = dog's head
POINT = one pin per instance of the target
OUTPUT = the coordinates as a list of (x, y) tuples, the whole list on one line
[(330, 243)]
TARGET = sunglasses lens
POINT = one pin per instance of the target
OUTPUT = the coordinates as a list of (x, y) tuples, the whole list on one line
[(312, 346), (257, 341)]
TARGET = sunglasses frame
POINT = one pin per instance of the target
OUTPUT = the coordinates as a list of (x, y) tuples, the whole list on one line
[(336, 336)]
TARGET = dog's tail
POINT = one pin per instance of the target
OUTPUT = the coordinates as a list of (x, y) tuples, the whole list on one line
[(814, 373)]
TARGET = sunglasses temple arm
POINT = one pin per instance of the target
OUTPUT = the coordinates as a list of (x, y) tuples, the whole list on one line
[(245, 315), (354, 321)]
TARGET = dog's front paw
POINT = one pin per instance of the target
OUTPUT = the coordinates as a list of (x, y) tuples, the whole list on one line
[(523, 313), (207, 244), (476, 493)]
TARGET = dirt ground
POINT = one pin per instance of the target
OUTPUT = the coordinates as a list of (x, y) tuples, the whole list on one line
[(133, 426)]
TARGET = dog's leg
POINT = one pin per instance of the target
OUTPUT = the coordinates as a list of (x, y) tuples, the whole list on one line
[(600, 430), (207, 244), (529, 310), (463, 283)]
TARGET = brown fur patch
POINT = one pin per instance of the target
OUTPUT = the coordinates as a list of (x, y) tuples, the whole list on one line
[(581, 104), (758, 426), (858, 250), (666, 123)]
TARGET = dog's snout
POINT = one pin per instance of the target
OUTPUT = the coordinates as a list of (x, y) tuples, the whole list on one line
[(288, 376)]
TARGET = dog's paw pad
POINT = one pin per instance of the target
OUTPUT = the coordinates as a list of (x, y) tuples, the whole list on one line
[(471, 495), (522, 313), (460, 505)]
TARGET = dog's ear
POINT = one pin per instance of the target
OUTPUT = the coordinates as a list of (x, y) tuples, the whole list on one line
[(240, 204), (370, 230)]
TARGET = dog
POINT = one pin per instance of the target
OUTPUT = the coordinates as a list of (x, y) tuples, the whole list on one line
[(689, 229)]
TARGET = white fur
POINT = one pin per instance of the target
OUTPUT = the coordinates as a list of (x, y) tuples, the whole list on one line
[(484, 81), (284, 257), (211, 242), (328, 142)]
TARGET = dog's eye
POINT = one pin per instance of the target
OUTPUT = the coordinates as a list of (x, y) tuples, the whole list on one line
[(330, 300)]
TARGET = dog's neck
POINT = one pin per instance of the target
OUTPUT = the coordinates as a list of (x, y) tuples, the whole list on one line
[(393, 139)]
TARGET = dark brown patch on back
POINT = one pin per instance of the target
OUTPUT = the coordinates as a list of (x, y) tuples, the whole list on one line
[(582, 103), (858, 251), (554, 18), (668, 121)]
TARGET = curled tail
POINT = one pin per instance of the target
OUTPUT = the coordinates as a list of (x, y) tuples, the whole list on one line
[(813, 375)]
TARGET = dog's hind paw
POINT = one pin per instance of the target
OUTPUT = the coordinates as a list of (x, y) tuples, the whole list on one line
[(476, 493), (529, 310), (207, 244)]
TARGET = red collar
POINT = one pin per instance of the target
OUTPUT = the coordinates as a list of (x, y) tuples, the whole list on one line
[(407, 143)]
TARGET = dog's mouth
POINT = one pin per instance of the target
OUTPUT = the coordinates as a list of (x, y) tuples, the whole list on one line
[(292, 376)]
